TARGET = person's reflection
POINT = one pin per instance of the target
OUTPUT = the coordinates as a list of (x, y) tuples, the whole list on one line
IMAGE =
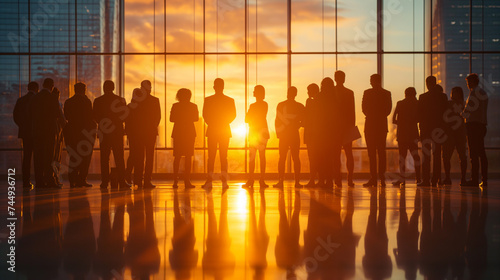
[(476, 248), (218, 260), (110, 242), (348, 240), (406, 254), (141, 251), (183, 257), (377, 263), (458, 237), (40, 243), (79, 240), (259, 239), (287, 250)]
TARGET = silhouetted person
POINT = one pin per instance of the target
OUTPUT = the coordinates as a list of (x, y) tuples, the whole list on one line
[(132, 129), (329, 139), (79, 135), (287, 250), (457, 136), (141, 250), (58, 148), (377, 263), (47, 117), (258, 134), (79, 244), (476, 120), (257, 236), (218, 260), (289, 116), (431, 107), (110, 241), (312, 131), (146, 115), (345, 102), (406, 254), (218, 111), (108, 112), (405, 117), (376, 105), (24, 119), (183, 256), (183, 114)]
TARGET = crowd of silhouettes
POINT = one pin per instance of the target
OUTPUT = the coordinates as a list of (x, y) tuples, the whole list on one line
[(328, 118)]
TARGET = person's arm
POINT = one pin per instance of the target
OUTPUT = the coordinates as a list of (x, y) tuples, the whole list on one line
[(364, 104), (173, 114), (352, 111), (196, 114), (395, 115), (157, 112), (206, 113), (232, 114), (388, 105)]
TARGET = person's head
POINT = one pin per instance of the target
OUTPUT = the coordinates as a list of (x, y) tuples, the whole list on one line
[(430, 82), (291, 93), (219, 85), (146, 86), (33, 87), (340, 77), (183, 95), (48, 83), (327, 85), (376, 80), (410, 92), (136, 94), (312, 90), (80, 88), (472, 80), (438, 89), (108, 86), (457, 95), (259, 92)]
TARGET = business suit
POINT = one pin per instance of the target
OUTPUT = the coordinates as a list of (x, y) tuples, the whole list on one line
[(376, 105), (219, 112), (79, 134), (23, 119), (345, 99), (46, 113), (144, 118), (109, 112), (431, 108)]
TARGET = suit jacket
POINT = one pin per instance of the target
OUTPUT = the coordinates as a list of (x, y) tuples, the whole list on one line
[(431, 108), (376, 105), (184, 115), (110, 111), (219, 112), (311, 121), (47, 113), (345, 103), (144, 117), (256, 118), (78, 113), (22, 115), (405, 116), (289, 117)]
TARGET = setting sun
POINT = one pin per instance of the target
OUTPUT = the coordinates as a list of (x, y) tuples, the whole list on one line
[(240, 130)]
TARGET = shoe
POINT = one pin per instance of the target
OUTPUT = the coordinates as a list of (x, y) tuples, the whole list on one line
[(125, 186), (73, 185), (279, 185), (28, 187), (470, 184), (424, 184), (53, 186), (263, 184), (188, 185), (483, 184), (338, 184), (248, 184), (398, 183), (370, 183), (175, 186), (86, 184), (350, 183), (104, 186), (418, 181), (298, 185), (447, 181), (382, 183), (207, 185), (149, 185)]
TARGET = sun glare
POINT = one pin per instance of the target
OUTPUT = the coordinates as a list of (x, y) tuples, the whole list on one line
[(240, 130)]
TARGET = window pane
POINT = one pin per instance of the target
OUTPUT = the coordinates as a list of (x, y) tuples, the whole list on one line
[(357, 25)]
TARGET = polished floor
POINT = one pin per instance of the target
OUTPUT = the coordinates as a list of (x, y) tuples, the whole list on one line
[(348, 233)]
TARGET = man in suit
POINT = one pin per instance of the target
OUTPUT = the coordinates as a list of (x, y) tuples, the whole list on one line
[(289, 117), (476, 120), (24, 119), (47, 115), (109, 112), (345, 99), (144, 117), (376, 105), (219, 112), (79, 135), (431, 107)]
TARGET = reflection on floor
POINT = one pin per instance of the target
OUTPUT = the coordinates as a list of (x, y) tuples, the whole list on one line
[(349, 233)]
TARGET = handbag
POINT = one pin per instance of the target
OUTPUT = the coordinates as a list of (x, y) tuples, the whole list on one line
[(351, 135)]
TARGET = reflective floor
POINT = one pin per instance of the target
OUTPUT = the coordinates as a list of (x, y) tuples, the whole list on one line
[(348, 233)]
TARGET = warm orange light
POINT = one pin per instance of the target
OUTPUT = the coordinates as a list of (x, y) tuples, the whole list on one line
[(240, 131)]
